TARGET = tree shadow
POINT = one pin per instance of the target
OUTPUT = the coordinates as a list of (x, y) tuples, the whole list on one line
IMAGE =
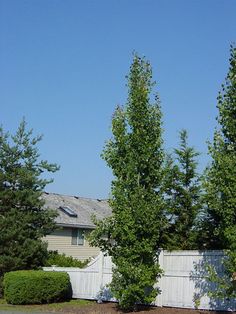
[(205, 290), (105, 295)]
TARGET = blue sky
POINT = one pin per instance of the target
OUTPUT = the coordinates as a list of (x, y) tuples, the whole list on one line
[(63, 65)]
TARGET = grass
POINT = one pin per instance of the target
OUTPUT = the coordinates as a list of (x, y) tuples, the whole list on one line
[(52, 307)]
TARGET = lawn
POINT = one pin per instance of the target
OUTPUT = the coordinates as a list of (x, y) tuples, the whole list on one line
[(53, 307)]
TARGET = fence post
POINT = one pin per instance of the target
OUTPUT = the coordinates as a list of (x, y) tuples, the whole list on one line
[(158, 300), (100, 270)]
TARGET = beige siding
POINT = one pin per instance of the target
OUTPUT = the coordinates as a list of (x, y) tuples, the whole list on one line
[(60, 240)]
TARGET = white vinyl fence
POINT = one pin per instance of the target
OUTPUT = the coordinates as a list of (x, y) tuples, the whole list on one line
[(183, 283)]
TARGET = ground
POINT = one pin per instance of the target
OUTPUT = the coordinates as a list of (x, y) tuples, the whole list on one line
[(111, 308), (88, 307)]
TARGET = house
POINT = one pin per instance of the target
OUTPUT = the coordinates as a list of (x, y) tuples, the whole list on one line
[(74, 223)]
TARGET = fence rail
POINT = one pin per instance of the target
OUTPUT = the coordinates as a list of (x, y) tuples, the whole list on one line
[(182, 285)]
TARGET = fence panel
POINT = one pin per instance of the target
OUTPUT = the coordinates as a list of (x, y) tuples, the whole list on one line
[(182, 285), (87, 282)]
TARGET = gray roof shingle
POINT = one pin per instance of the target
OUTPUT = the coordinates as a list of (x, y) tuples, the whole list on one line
[(83, 207)]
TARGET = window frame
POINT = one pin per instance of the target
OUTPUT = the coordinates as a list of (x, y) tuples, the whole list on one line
[(77, 237)]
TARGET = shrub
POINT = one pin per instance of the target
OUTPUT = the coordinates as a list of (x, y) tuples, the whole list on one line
[(61, 260), (1, 287), (36, 287)]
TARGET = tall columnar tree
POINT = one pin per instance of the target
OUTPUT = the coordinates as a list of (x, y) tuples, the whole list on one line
[(23, 221), (220, 181), (133, 233), (183, 199)]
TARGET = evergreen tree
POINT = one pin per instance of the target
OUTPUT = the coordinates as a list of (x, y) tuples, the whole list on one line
[(135, 155), (23, 221), (183, 200), (219, 228)]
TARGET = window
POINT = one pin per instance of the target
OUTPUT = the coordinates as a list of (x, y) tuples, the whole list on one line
[(77, 237), (68, 211)]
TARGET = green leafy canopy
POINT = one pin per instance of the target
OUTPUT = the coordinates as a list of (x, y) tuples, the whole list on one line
[(220, 181), (135, 154)]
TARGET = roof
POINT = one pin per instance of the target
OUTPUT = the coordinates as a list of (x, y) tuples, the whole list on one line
[(83, 208)]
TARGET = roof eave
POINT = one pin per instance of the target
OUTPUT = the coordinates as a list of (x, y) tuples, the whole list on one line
[(75, 225)]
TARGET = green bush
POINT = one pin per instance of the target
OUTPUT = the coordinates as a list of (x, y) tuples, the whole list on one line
[(1, 287), (61, 260), (36, 287)]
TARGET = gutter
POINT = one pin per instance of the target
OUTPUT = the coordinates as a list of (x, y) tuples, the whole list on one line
[(76, 226)]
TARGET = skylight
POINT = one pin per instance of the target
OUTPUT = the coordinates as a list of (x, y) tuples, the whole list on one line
[(68, 211)]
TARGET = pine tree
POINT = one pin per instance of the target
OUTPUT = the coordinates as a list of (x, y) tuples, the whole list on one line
[(183, 191), (219, 227), (135, 155), (23, 221)]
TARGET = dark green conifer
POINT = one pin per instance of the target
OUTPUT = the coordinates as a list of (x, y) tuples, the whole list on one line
[(183, 191), (23, 221)]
